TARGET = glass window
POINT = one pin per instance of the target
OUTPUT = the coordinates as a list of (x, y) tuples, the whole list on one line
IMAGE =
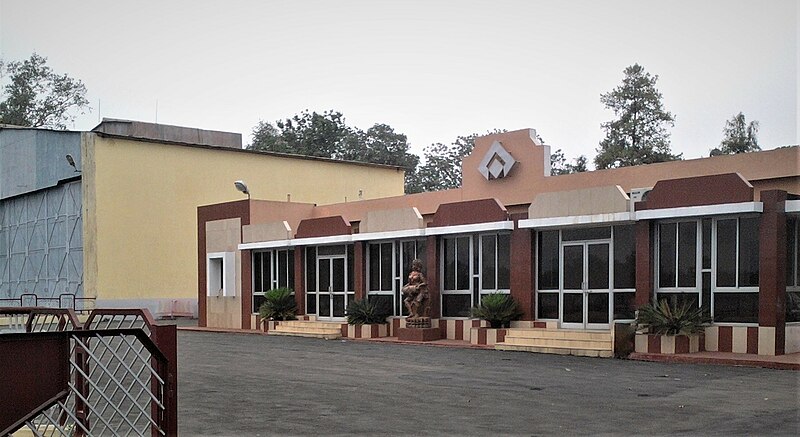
[(737, 252), (687, 254), (547, 260), (380, 272), (598, 267), (624, 257), (736, 307), (706, 243), (311, 271), (456, 305), (677, 255), (351, 269), (495, 259), (679, 299), (624, 305), (748, 251), (726, 253), (792, 270), (456, 263), (271, 269), (547, 306), (579, 234), (488, 262), (504, 261), (791, 252), (667, 237)]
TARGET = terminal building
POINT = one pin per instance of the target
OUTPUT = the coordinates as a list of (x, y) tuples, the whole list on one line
[(578, 252)]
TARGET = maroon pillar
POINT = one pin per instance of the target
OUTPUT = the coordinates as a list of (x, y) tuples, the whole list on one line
[(522, 280), (299, 279), (247, 288), (644, 262), (772, 266), (432, 274), (359, 266)]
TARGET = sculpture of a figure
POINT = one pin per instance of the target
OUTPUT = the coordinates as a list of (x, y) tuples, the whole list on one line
[(415, 292)]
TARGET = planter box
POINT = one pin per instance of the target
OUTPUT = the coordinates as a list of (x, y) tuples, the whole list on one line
[(487, 336), (368, 331), (669, 344), (269, 325)]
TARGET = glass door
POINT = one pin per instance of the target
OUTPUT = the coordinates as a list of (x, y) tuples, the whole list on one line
[(585, 285), (333, 296)]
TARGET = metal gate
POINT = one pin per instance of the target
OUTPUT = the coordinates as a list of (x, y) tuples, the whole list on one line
[(114, 375)]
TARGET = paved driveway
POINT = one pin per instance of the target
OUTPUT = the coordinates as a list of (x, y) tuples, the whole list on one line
[(250, 385)]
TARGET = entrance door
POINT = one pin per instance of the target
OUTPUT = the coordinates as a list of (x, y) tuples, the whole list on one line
[(332, 297), (585, 302)]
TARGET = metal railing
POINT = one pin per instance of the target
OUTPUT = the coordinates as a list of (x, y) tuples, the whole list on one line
[(64, 300), (119, 374)]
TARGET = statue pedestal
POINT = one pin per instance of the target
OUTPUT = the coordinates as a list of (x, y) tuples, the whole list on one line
[(419, 334)]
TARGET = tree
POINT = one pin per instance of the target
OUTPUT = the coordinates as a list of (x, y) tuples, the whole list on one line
[(307, 133), (327, 135), (739, 137), (442, 167), (639, 134), (38, 97), (559, 164)]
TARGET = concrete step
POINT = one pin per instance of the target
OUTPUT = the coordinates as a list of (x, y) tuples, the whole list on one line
[(323, 335), (311, 329), (559, 341), (307, 328), (556, 350), (560, 334), (303, 323)]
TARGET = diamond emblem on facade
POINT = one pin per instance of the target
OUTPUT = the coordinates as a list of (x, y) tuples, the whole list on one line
[(496, 163)]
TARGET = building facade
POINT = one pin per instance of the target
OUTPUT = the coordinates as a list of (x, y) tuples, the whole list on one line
[(579, 251), (119, 228)]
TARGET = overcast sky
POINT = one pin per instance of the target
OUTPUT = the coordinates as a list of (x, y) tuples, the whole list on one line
[(433, 70)]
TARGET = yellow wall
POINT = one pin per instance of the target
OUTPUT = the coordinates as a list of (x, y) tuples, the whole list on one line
[(141, 199)]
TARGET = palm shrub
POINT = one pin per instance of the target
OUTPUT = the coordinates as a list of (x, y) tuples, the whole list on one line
[(279, 304), (663, 319), (364, 312), (498, 309)]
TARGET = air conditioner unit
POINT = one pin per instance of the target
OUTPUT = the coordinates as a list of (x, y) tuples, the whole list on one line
[(639, 194)]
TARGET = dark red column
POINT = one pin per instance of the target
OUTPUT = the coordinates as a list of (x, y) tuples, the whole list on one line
[(522, 279), (299, 279), (644, 262), (772, 266), (359, 266), (247, 288), (432, 274)]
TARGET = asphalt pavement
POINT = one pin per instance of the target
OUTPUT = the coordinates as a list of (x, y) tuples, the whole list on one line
[(256, 385)]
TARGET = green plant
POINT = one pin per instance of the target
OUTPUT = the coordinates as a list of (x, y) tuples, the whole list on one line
[(498, 309), (663, 319), (364, 312), (279, 304)]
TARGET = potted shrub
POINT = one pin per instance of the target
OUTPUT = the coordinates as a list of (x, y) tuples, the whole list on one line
[(279, 305), (663, 328), (366, 319), (498, 309)]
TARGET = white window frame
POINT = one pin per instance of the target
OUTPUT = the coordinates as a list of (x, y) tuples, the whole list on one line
[(698, 261), (274, 279), (485, 291), (225, 274), (736, 288)]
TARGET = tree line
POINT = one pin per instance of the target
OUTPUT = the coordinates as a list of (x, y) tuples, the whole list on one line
[(36, 96)]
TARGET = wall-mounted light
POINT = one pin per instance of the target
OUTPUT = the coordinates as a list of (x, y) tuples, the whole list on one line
[(241, 186), (71, 162)]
